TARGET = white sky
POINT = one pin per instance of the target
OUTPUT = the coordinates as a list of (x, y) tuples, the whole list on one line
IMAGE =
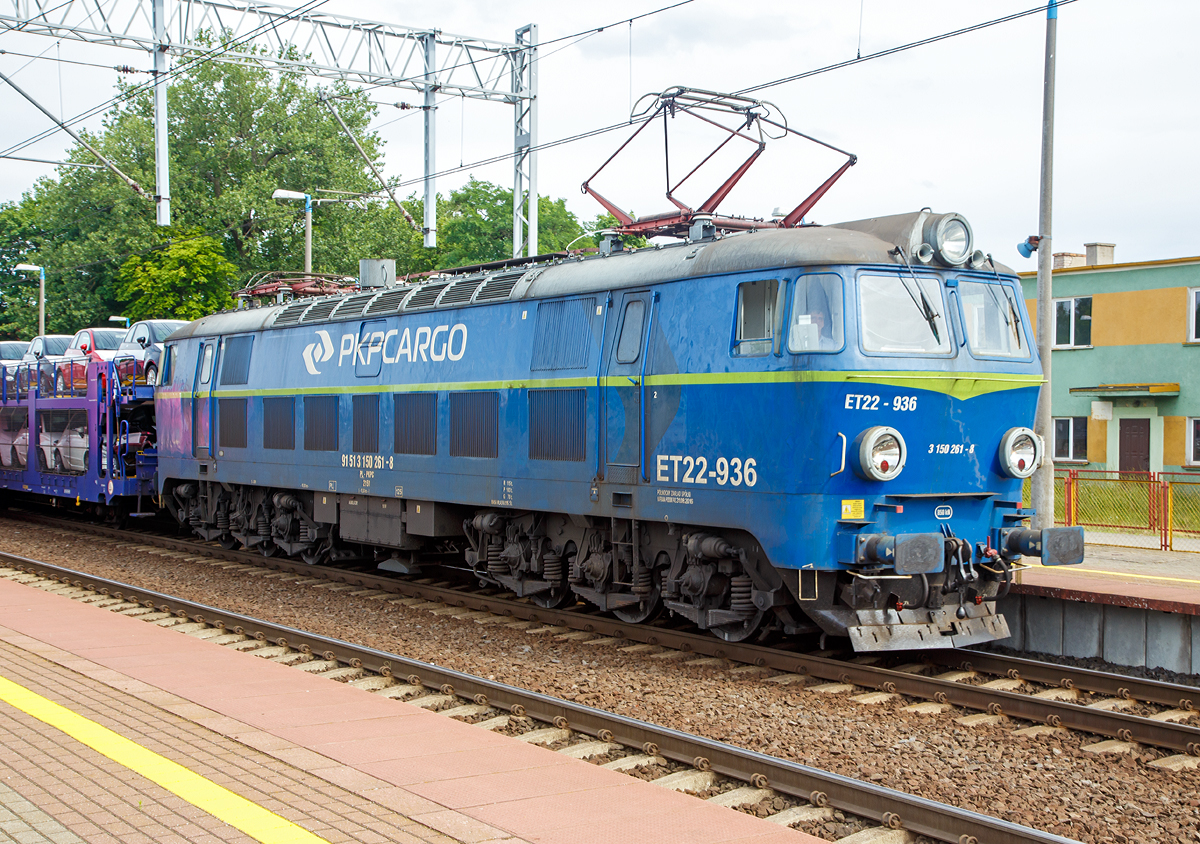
[(955, 126)]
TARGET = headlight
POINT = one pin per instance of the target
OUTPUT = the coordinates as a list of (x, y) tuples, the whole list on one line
[(951, 239), (1020, 452), (879, 454)]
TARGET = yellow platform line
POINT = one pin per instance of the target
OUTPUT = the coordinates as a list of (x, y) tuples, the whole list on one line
[(1073, 570), (201, 792)]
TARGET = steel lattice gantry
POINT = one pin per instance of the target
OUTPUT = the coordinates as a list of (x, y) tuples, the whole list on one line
[(336, 47)]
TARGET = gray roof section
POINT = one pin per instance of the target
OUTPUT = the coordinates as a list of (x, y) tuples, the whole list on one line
[(768, 249)]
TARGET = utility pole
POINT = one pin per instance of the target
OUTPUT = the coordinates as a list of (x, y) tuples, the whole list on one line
[(162, 166), (430, 141), (1043, 479)]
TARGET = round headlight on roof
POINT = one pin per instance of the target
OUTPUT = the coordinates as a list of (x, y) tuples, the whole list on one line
[(951, 238), (1020, 452), (879, 453)]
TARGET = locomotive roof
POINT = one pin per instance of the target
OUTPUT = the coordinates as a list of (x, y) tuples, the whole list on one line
[(767, 249)]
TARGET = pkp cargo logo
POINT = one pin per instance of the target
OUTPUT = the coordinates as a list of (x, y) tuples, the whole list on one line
[(315, 353)]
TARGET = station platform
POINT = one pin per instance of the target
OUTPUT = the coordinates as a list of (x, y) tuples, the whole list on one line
[(1141, 578), (115, 730)]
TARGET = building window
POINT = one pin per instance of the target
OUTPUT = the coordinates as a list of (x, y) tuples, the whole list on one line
[(1194, 315), (1070, 439), (1194, 442), (1073, 322)]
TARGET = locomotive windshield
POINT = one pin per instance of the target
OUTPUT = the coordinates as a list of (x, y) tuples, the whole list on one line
[(992, 318), (816, 314), (902, 314)]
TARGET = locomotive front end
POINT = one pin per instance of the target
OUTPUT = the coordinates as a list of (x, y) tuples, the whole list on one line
[(930, 401)]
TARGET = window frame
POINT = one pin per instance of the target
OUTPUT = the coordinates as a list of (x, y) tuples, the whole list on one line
[(1193, 441), (1011, 289), (1193, 305), (1071, 438), (775, 320), (952, 338), (789, 318), (1074, 300)]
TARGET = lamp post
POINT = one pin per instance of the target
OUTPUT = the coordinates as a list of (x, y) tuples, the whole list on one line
[(41, 293), (124, 320), (308, 204)]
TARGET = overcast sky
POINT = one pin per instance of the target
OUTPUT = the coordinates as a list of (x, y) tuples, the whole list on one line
[(955, 126)]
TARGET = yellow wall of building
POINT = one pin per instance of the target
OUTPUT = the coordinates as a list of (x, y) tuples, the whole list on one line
[(1140, 317), (1134, 317), (1174, 440), (1097, 444)]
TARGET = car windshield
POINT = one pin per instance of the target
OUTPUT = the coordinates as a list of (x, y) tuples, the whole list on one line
[(57, 345), (108, 338), (903, 314), (993, 320), (162, 330), (12, 349)]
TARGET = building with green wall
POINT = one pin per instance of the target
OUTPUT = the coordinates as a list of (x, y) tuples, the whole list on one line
[(1126, 362)]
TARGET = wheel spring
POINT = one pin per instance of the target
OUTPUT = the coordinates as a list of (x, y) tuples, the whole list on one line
[(263, 524), (739, 595), (223, 520), (643, 581), (495, 562), (552, 568)]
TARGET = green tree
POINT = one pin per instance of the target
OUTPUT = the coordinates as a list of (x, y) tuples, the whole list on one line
[(187, 279), (475, 225)]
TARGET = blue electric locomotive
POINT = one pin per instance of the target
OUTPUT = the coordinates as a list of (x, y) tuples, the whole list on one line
[(820, 429)]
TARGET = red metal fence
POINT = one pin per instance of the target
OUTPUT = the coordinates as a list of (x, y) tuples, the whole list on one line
[(1159, 510)]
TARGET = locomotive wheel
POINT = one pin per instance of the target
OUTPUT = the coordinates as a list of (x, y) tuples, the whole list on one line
[(740, 631), (554, 599), (647, 610), (313, 558), (228, 542), (268, 549)]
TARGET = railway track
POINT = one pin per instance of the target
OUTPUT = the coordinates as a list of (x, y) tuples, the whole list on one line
[(1056, 696), (703, 762)]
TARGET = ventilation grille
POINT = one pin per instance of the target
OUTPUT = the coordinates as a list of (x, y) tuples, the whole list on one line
[(231, 424), (474, 424), (425, 296), (235, 364), (499, 286), (460, 292), (321, 309), (279, 423), (416, 423), (563, 334), (557, 429), (620, 474), (352, 306), (320, 423), (388, 302), (366, 424), (291, 314)]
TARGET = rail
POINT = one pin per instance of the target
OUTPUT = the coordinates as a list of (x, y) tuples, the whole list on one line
[(888, 806), (1116, 724)]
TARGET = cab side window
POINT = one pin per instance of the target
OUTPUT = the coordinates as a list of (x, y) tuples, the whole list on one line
[(759, 311)]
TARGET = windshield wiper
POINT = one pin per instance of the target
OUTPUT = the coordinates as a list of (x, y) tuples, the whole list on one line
[(1015, 325), (923, 306)]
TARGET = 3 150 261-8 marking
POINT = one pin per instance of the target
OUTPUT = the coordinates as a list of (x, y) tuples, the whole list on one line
[(685, 469)]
